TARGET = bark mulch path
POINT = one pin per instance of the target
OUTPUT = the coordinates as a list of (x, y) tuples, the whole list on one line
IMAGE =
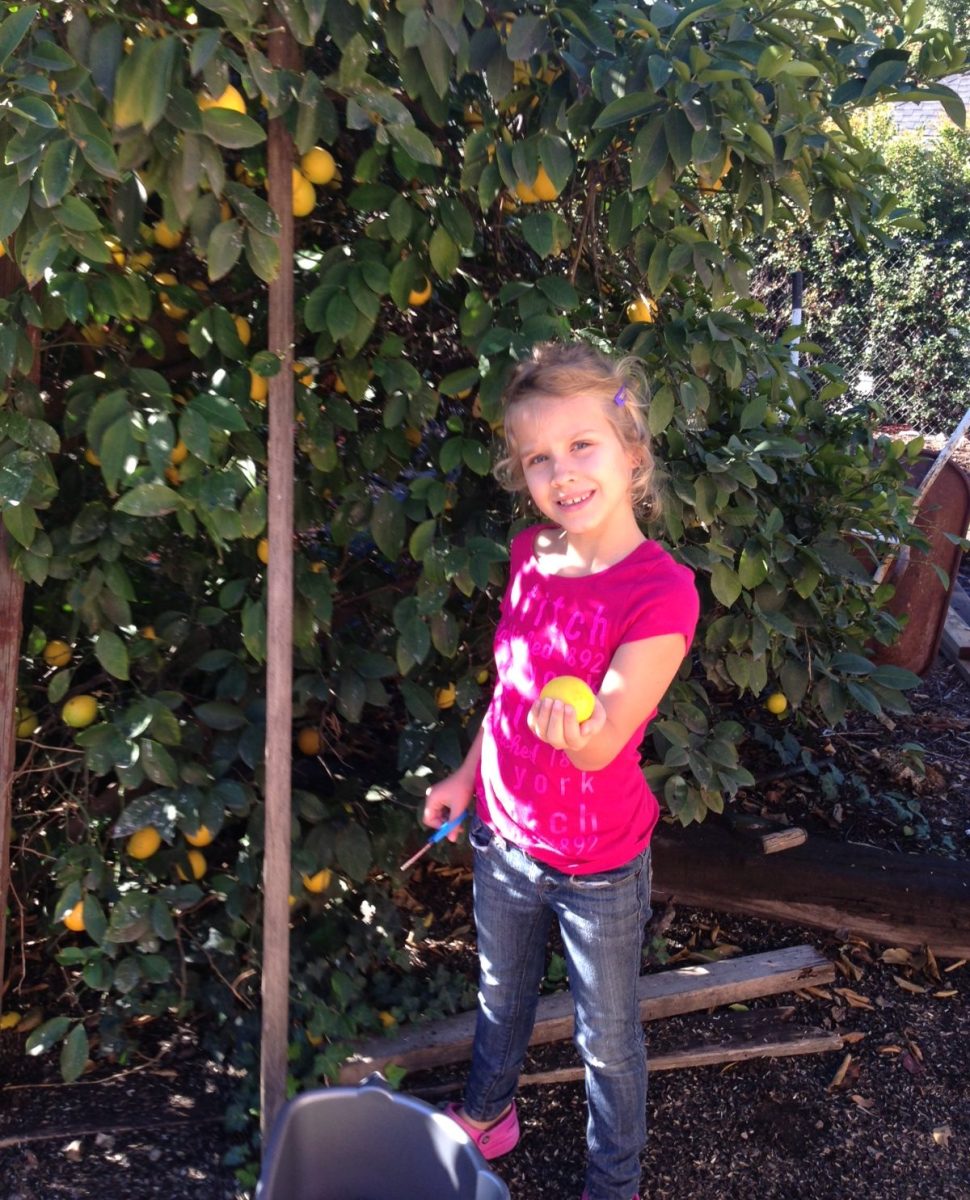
[(886, 1118)]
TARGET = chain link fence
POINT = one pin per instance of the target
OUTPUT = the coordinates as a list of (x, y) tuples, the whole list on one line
[(894, 320)]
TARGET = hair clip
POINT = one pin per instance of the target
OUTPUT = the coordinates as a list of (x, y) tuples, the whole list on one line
[(620, 398)]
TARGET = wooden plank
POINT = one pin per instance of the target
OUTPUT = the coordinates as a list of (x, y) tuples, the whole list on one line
[(783, 839), (960, 601), (898, 899), (956, 636), (725, 1038), (788, 1043), (664, 994)]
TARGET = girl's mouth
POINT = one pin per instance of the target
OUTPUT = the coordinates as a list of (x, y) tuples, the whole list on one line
[(572, 502)]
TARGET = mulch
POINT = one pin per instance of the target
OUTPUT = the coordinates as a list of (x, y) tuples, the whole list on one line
[(885, 1118)]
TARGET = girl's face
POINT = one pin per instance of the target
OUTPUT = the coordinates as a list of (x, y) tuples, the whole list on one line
[(576, 468)]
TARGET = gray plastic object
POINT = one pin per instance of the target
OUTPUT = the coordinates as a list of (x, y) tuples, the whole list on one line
[(369, 1143)]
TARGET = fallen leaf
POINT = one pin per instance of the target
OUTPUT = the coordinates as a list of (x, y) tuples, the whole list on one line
[(850, 1039), (897, 955), (863, 1103), (911, 1064), (853, 999), (945, 995), (961, 962), (932, 966), (915, 1049), (907, 986), (839, 1077), (941, 1135), (818, 992), (890, 1049)]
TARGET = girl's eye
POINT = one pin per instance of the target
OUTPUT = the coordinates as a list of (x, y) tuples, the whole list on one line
[(580, 445), (535, 460)]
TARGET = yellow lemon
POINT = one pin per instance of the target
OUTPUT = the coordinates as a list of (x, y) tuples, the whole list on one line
[(144, 842), (315, 1039), (543, 186), (79, 711), (421, 295), (339, 386), (201, 837), (412, 436), (10, 1020), (445, 697), (482, 676), (304, 195), (262, 550), (231, 98), (258, 388), (642, 311), (148, 633), (197, 865), (91, 457), (777, 703), (309, 741), (166, 236), (572, 691), (57, 653), (318, 165), (388, 1020), (2, 250), (75, 918), (26, 720), (318, 882), (525, 193), (180, 452), (243, 330)]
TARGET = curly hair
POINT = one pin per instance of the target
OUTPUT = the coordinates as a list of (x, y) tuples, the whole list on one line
[(578, 369)]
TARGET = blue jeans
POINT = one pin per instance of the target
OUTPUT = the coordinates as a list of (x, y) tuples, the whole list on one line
[(601, 919)]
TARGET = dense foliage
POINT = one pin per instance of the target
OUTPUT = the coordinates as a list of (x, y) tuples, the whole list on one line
[(496, 178)]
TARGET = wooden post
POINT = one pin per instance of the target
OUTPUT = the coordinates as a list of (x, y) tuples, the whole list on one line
[(11, 609), (283, 54)]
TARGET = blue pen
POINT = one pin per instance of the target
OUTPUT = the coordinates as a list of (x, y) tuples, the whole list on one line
[(435, 837)]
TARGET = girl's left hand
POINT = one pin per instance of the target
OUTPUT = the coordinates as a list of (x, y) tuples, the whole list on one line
[(555, 723)]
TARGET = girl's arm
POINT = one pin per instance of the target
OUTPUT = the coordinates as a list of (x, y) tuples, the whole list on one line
[(452, 795), (635, 682)]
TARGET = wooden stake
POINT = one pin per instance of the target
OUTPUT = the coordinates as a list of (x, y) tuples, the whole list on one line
[(283, 54), (11, 610)]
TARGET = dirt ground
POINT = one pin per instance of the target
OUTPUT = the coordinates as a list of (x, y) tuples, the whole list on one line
[(886, 1117)]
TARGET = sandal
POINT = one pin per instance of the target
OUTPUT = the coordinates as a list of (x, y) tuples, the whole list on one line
[(495, 1141)]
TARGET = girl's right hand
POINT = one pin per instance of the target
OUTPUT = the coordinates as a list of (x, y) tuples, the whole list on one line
[(446, 800)]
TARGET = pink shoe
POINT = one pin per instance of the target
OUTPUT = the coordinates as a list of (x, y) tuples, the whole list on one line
[(495, 1141), (586, 1196)]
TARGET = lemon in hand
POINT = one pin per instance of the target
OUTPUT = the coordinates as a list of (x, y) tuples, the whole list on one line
[(571, 690)]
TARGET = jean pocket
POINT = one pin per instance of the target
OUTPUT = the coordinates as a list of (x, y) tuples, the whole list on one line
[(479, 835), (600, 881)]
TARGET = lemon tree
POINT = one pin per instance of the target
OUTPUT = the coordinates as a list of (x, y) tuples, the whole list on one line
[(466, 183)]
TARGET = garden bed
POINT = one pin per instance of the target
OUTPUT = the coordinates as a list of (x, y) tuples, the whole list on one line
[(887, 1119)]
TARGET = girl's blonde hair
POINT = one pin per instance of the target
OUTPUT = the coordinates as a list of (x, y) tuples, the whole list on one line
[(620, 385)]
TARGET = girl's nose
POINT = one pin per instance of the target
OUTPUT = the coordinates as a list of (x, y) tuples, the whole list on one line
[(561, 472)]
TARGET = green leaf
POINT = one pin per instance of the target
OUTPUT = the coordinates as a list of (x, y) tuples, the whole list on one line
[(218, 412), (221, 715), (55, 171), (388, 526), (159, 766), (444, 253), (649, 153), (415, 144), (725, 584), (263, 255), (74, 1053), (253, 209), (112, 653), (353, 851), (14, 198), (50, 1033), (14, 30), (231, 129), (149, 500), (224, 249), (627, 108), (21, 523)]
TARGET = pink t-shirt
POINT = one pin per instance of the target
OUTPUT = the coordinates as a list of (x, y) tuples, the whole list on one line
[(529, 793)]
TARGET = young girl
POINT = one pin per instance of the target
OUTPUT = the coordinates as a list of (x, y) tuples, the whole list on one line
[(564, 815)]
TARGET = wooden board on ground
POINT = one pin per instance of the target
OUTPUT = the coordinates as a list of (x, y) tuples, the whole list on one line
[(726, 1037), (956, 636), (667, 993), (907, 900)]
